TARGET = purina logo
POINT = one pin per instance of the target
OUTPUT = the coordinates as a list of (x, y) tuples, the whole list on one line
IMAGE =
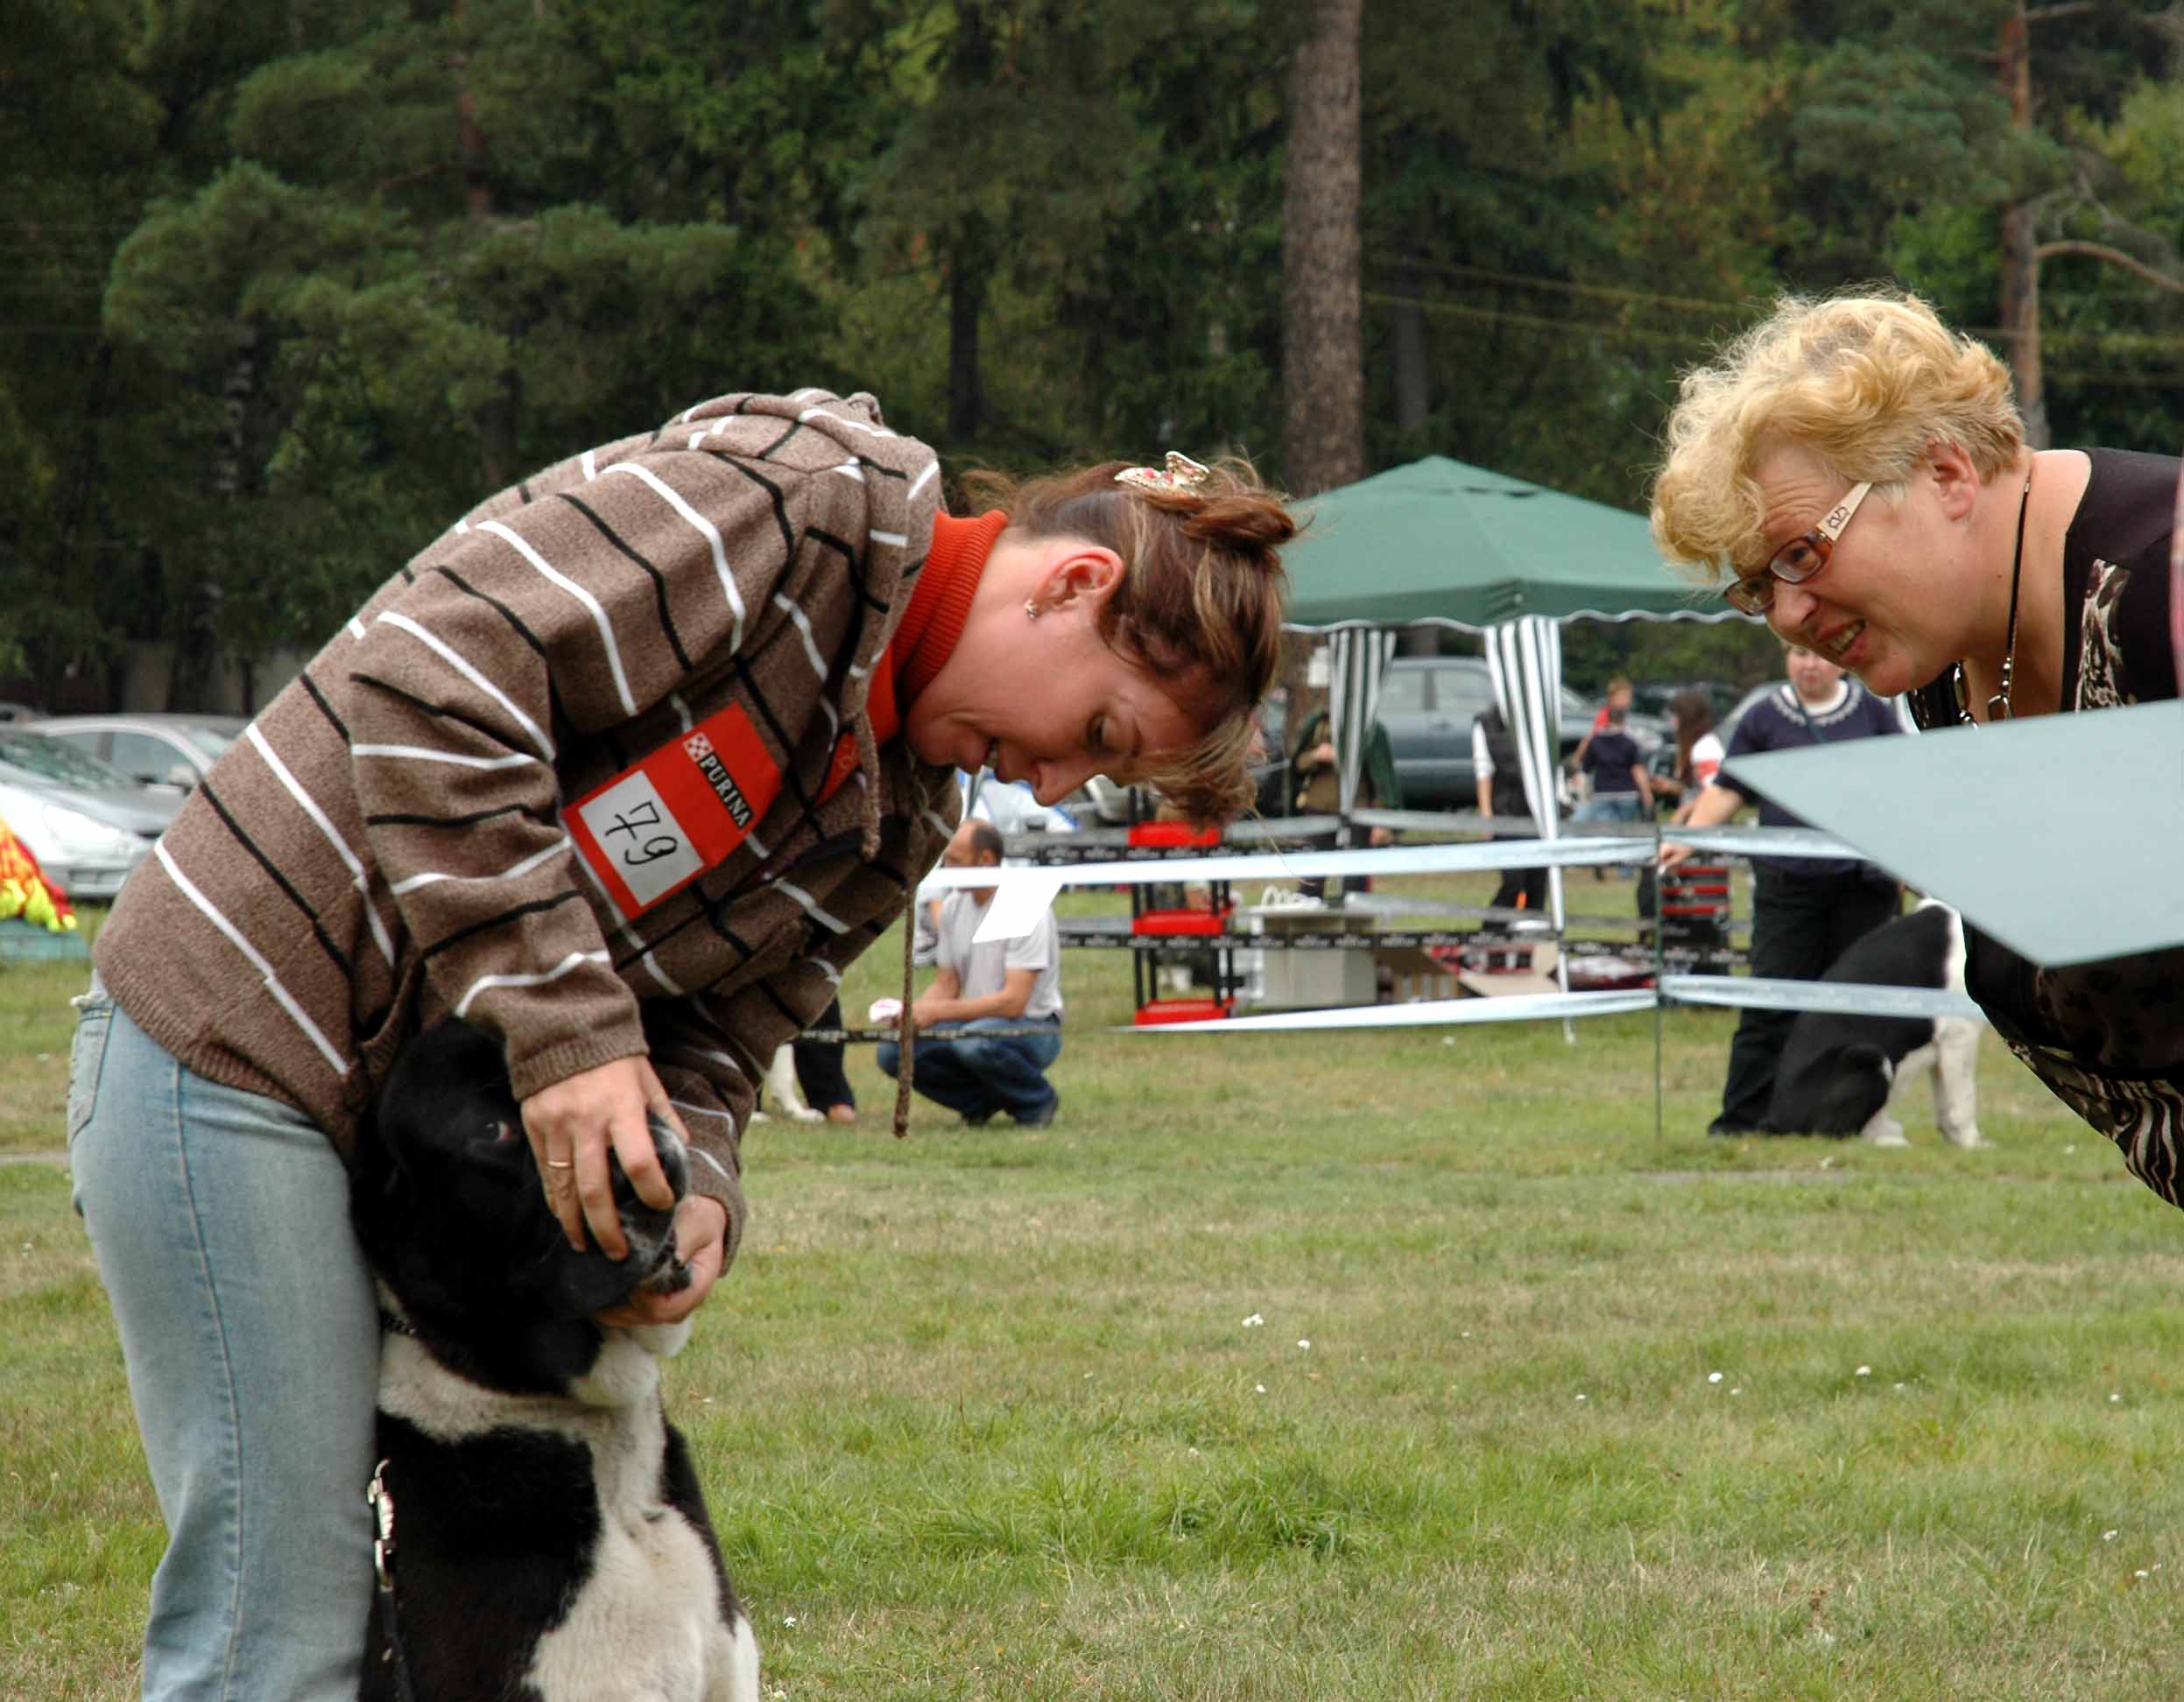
[(724, 784)]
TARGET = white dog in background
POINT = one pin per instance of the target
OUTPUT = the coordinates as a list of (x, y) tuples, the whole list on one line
[(1838, 1073), (782, 1093)]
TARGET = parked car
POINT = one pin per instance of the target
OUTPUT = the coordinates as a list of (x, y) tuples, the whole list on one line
[(1427, 703), (87, 824), (151, 749)]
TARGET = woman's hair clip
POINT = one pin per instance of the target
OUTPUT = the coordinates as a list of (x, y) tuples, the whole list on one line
[(1181, 473)]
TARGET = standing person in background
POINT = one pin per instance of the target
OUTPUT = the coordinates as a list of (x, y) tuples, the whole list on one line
[(980, 987), (623, 769), (1620, 788), (1501, 784), (1805, 910), (1699, 751), (1317, 773), (1617, 706)]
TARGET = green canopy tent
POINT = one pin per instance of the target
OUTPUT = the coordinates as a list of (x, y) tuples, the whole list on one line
[(1442, 544), (1437, 542)]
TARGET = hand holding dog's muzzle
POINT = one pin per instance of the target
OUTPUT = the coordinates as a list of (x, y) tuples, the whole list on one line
[(576, 1126)]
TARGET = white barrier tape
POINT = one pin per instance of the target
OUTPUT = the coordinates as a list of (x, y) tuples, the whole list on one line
[(1515, 1007), (1846, 998), (1305, 865), (1572, 851), (1761, 841), (1849, 998)]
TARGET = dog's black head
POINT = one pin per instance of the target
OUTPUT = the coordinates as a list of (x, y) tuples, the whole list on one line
[(447, 1205)]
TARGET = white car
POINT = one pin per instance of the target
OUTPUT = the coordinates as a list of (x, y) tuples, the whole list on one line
[(151, 749), (87, 825)]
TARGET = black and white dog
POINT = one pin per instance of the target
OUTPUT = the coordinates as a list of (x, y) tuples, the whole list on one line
[(545, 1536), (1838, 1073)]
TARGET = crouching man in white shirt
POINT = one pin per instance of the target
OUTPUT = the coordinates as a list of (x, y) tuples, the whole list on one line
[(977, 988)]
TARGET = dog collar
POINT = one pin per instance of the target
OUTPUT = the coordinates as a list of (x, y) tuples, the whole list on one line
[(395, 1324)]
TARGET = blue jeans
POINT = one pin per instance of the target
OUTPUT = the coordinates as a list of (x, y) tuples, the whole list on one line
[(1610, 807), (249, 1324), (978, 1074)]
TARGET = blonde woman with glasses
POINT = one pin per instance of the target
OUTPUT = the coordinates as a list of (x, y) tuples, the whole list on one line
[(1856, 471)]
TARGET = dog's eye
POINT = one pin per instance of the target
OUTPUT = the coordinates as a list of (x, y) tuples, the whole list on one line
[(501, 1129)]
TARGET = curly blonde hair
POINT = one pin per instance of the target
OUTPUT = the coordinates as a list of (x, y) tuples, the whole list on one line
[(1199, 608), (1867, 382)]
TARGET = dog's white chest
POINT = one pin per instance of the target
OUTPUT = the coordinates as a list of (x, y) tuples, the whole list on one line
[(644, 1627)]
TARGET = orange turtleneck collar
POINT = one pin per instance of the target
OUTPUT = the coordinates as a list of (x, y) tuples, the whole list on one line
[(935, 620)]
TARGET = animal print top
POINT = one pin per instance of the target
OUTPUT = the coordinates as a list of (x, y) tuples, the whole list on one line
[(2106, 1038)]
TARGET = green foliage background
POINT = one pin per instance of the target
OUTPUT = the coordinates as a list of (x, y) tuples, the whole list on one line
[(288, 287)]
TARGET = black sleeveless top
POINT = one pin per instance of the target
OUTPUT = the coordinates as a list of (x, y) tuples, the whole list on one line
[(2107, 1038)]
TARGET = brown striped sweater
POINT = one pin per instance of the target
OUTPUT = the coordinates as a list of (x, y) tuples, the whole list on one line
[(392, 839)]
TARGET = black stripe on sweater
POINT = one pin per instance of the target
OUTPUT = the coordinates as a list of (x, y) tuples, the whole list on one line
[(311, 689), (437, 710), (318, 929), (397, 818), (782, 523), (500, 920), (781, 739), (515, 622), (782, 1005), (852, 560), (781, 442), (659, 578)]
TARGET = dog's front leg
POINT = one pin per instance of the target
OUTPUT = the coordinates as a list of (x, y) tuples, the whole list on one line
[(1956, 1080)]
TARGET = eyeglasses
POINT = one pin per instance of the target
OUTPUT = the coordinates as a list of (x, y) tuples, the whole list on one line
[(1797, 560)]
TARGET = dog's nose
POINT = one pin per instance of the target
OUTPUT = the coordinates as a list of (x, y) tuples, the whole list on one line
[(674, 1159)]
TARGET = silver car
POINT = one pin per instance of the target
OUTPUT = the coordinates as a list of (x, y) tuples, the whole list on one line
[(151, 749), (87, 824)]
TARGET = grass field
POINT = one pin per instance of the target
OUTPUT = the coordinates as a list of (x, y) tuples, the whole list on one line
[(1410, 1364)]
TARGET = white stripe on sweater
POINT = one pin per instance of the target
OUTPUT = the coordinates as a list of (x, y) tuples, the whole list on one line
[(699, 1153), (462, 665), (644, 952), (689, 1110), (281, 995), (419, 754), (591, 604), (896, 538), (812, 907), (350, 860), (918, 483), (673, 498), (486, 983), (803, 624), (842, 419), (513, 873)]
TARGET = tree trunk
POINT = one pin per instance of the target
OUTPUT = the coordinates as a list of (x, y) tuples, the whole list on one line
[(1413, 399), (965, 302), (1323, 357), (2020, 261)]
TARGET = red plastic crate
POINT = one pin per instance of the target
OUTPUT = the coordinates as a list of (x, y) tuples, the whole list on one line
[(1184, 1011), (1172, 835), (1182, 922)]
